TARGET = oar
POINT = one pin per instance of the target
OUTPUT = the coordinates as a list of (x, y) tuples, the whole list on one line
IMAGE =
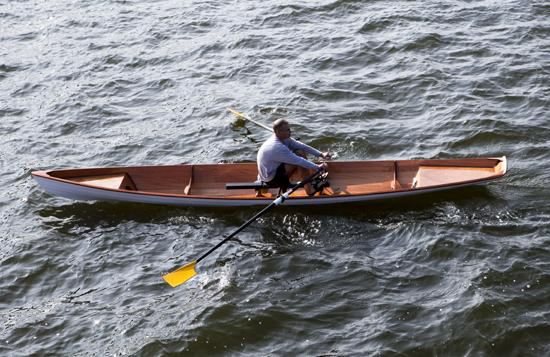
[(246, 117), (186, 272)]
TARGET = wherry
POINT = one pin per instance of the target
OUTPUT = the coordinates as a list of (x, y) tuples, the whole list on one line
[(233, 184)]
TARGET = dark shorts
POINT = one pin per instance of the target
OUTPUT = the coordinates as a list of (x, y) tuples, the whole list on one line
[(280, 179)]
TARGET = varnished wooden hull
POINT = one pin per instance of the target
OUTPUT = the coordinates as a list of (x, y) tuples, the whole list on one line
[(204, 184)]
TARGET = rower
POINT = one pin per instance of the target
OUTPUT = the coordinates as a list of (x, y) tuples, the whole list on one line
[(281, 156)]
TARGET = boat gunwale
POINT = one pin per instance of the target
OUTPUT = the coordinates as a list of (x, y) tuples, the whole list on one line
[(46, 175)]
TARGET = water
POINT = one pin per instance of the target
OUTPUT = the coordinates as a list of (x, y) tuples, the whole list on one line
[(137, 83)]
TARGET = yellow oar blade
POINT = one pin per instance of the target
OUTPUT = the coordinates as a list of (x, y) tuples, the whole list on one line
[(239, 114), (181, 275)]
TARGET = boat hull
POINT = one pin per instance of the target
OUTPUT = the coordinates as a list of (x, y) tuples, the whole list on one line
[(80, 193), (77, 190)]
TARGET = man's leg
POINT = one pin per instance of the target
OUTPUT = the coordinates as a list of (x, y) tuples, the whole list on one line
[(303, 173)]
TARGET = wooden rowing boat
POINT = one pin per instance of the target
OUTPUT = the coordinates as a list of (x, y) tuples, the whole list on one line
[(205, 184)]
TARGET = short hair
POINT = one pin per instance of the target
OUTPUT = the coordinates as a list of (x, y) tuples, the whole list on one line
[(277, 124)]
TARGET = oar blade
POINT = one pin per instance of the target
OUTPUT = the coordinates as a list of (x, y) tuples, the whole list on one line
[(239, 114), (181, 275)]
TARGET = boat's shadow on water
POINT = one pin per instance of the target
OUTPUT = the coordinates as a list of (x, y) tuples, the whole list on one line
[(114, 213)]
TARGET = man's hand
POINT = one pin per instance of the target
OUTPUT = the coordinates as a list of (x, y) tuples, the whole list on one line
[(326, 155), (323, 166)]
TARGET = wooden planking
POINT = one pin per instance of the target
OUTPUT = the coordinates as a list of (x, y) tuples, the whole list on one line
[(223, 173), (408, 169), (163, 179), (210, 179), (440, 175), (355, 177), (346, 177), (107, 181), (482, 162)]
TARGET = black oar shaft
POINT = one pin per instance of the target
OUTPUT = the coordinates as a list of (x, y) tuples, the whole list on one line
[(243, 226), (276, 202)]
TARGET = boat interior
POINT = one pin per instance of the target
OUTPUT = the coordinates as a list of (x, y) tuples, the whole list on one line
[(345, 177)]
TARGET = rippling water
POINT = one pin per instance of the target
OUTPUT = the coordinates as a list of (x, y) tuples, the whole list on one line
[(101, 83)]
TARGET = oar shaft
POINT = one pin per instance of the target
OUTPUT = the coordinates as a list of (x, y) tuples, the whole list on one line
[(244, 116), (276, 202), (243, 226)]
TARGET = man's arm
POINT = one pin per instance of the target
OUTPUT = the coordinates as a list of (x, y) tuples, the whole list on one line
[(283, 154), (298, 145)]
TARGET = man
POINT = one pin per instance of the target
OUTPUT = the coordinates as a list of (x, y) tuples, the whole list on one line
[(280, 156)]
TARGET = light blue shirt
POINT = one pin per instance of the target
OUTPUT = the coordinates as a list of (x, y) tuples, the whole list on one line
[(275, 152)]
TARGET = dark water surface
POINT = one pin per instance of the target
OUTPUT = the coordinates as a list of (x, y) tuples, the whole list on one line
[(106, 83)]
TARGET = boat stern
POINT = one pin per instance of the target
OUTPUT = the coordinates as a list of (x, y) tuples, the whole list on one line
[(58, 187)]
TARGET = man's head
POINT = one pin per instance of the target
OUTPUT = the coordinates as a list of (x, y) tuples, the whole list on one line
[(281, 128)]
